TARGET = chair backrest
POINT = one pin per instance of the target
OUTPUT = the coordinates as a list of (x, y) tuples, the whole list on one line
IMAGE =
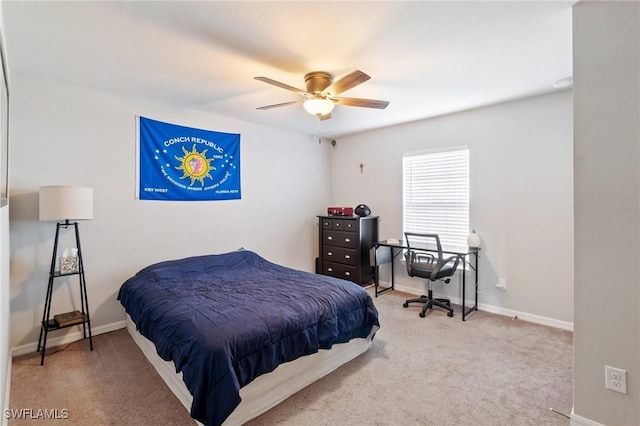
[(417, 240), (425, 264)]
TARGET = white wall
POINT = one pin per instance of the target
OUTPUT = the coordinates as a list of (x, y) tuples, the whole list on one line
[(521, 196), (63, 134), (5, 347), (607, 208)]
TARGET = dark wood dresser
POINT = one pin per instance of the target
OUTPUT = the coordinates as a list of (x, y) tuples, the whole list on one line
[(345, 242)]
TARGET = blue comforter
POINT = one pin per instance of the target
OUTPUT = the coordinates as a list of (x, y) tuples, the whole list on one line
[(226, 319)]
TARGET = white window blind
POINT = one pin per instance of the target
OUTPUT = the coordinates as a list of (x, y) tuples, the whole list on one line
[(436, 195)]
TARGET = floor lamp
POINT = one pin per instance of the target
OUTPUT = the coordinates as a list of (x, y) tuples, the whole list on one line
[(65, 205)]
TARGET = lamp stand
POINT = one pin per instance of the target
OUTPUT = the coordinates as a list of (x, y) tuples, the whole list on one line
[(49, 324)]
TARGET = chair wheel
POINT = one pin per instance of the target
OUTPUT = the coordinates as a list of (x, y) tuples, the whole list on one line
[(421, 314), (405, 305), (450, 314)]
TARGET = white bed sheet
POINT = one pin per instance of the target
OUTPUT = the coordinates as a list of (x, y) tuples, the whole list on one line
[(268, 390)]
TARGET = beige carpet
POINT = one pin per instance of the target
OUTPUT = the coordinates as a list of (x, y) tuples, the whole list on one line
[(489, 370)]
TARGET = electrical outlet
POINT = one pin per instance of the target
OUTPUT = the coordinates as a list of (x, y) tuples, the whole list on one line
[(502, 283), (615, 379)]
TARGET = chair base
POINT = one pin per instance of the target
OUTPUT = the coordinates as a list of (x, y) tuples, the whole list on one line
[(429, 303)]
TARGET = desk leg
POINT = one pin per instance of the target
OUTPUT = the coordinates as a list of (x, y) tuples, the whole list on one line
[(464, 285), (392, 263), (476, 278), (377, 278), (475, 286)]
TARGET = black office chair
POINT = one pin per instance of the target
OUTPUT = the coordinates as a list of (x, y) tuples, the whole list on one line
[(425, 264)]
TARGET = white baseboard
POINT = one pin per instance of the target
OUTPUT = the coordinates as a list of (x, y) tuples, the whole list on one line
[(581, 421), (67, 338), (537, 319)]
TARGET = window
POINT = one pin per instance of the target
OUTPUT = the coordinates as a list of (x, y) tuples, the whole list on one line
[(435, 194)]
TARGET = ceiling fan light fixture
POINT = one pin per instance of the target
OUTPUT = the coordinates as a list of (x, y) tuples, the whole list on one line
[(318, 106), (319, 98)]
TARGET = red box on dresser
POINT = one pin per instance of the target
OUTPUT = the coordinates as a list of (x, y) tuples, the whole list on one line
[(340, 211)]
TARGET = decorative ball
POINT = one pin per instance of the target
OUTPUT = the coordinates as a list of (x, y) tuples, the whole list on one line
[(473, 240), (363, 210)]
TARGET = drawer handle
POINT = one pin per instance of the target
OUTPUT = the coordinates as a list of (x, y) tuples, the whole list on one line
[(330, 269), (329, 238), (326, 224), (346, 256), (347, 273), (329, 254), (347, 240)]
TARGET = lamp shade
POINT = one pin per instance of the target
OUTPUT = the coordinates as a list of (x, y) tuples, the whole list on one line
[(66, 202), (318, 106)]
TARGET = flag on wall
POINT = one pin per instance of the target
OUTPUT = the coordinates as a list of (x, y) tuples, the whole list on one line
[(178, 163)]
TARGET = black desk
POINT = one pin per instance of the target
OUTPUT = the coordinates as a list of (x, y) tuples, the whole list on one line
[(386, 251)]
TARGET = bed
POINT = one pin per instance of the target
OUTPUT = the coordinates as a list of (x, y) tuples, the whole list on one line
[(234, 322)]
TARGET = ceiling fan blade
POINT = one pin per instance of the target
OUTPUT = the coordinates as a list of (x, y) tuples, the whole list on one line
[(282, 85), (281, 105), (347, 82), (324, 117), (364, 103)]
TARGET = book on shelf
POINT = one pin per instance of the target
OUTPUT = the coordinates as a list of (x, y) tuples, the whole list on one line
[(68, 318)]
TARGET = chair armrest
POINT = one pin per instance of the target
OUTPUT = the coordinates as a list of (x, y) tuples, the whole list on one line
[(419, 257), (443, 263), (412, 257)]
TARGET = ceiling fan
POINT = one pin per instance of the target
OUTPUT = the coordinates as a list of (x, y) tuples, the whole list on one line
[(320, 97)]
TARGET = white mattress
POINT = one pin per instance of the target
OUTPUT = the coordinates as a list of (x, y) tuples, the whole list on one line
[(268, 390)]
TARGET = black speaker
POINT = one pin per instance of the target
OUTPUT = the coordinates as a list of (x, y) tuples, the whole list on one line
[(363, 210)]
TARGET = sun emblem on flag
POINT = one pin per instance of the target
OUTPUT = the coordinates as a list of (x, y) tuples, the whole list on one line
[(195, 165)]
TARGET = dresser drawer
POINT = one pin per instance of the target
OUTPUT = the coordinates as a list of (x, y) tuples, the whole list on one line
[(340, 224), (327, 223), (340, 239), (351, 225), (339, 271), (339, 254)]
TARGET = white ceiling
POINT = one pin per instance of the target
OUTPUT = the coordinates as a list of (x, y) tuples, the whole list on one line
[(426, 58)]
